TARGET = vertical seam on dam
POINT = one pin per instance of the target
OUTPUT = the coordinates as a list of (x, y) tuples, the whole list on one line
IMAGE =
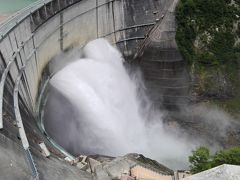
[(114, 25), (97, 16), (35, 54), (61, 31)]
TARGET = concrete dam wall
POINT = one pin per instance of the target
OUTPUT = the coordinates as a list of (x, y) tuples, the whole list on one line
[(29, 40)]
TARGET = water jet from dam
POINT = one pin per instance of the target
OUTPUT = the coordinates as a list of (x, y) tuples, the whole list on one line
[(104, 110)]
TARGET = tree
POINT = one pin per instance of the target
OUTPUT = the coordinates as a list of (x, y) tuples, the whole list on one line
[(200, 160), (231, 156)]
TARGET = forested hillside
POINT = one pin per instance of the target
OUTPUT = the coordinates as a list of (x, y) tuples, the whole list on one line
[(208, 36)]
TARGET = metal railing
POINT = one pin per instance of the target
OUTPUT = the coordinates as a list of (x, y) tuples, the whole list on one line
[(40, 122), (2, 83), (32, 164)]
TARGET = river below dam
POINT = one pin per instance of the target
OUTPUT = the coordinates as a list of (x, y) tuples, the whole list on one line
[(8, 7)]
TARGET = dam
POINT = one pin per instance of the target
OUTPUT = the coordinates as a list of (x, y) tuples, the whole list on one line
[(144, 32)]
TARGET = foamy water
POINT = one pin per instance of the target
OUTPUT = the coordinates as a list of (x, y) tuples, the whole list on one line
[(109, 116)]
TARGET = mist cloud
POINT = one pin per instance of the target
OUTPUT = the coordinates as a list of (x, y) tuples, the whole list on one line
[(104, 110)]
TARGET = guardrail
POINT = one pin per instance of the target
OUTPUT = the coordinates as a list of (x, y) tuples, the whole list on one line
[(32, 164), (2, 83), (18, 114), (41, 125), (22, 133)]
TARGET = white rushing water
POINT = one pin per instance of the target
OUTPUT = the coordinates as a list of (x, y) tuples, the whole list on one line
[(110, 118)]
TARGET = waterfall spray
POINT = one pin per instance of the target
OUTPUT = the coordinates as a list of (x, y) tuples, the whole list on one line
[(102, 110)]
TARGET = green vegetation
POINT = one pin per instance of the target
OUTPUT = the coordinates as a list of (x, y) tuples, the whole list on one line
[(208, 37), (211, 23), (231, 105), (201, 159)]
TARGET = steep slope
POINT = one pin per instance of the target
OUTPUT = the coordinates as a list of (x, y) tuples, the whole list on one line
[(208, 36)]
